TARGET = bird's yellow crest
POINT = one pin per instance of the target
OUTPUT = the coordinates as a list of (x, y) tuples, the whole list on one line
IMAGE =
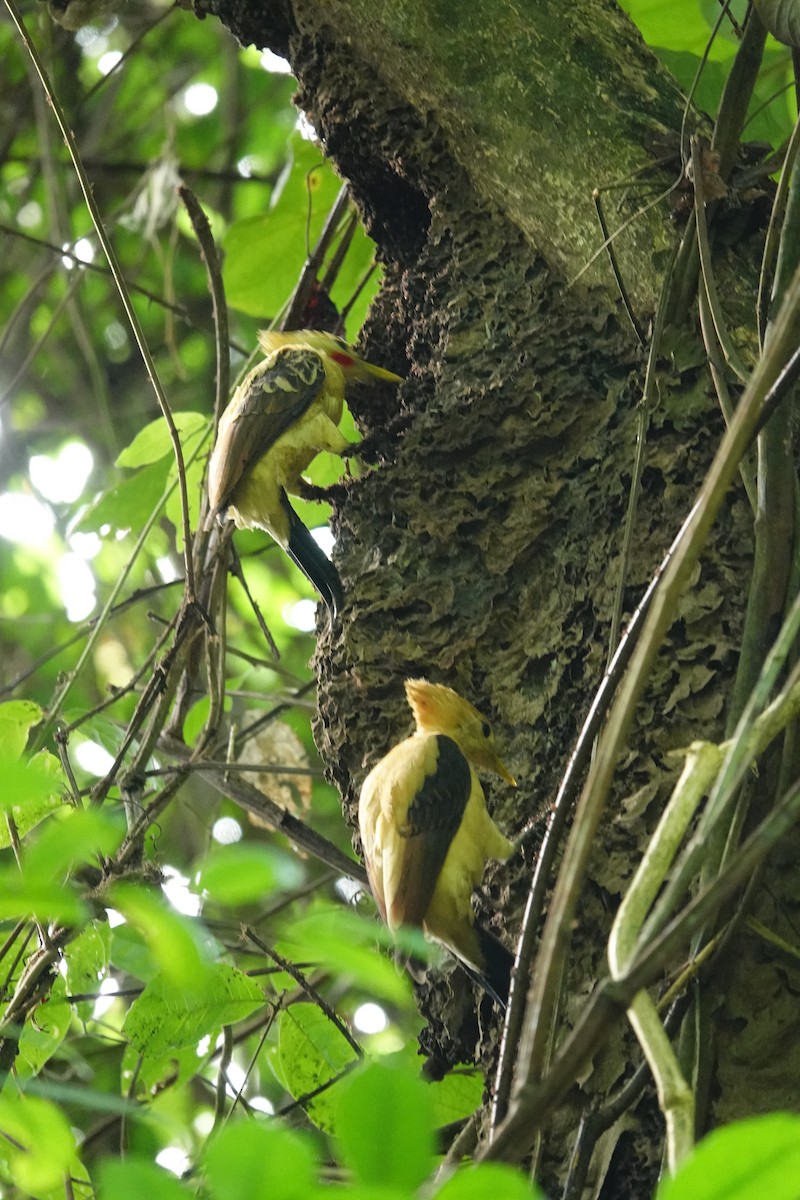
[(438, 709)]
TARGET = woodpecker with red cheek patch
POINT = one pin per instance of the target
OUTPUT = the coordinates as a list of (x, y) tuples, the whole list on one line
[(426, 832), (282, 415)]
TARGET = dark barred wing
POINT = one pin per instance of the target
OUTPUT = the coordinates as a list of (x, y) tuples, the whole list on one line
[(274, 395), (432, 820)]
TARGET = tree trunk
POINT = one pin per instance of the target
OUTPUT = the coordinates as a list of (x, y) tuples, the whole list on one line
[(486, 549)]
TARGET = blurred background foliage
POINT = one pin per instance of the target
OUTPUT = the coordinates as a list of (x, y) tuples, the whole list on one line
[(155, 98)]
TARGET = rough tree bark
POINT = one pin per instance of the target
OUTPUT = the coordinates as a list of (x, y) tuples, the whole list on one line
[(485, 550)]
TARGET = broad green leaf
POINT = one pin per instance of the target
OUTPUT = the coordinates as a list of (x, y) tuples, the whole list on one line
[(264, 254), (195, 720), (489, 1179), (311, 1052), (167, 1016), (45, 900), (345, 942), (258, 278), (772, 115), (17, 718), (748, 1160), (139, 1179), (457, 1095), (246, 872), (385, 1126), (38, 1145), (32, 788), (87, 959), (259, 1162), (43, 1034), (74, 836), (360, 1191), (132, 953), (143, 1076), (656, 21), (128, 503), (176, 941), (359, 259), (40, 888), (154, 441)]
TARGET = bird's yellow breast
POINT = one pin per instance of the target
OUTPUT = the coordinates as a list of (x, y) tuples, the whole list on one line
[(256, 500), (388, 793)]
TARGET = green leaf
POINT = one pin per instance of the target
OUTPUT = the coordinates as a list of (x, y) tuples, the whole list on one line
[(497, 1180), (748, 1160), (138, 1179), (358, 1191), (74, 836), (195, 719), (457, 1095), (38, 1145), (260, 1162), (176, 942), (143, 1076), (40, 888), (44, 900), (32, 788), (44, 1033), (246, 872), (345, 941), (17, 718), (167, 1016), (154, 441), (311, 1052), (358, 260), (128, 504), (131, 952), (656, 21), (87, 959), (385, 1126), (264, 254)]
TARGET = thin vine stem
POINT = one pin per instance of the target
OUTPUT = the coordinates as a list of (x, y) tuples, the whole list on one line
[(116, 271)]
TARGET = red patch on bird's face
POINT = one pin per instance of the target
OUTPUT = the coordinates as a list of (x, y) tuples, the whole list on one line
[(344, 360)]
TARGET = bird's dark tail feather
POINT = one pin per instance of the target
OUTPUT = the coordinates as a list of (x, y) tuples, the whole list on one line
[(494, 973), (313, 562)]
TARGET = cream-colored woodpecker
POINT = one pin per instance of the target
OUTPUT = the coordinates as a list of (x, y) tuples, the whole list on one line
[(282, 415), (426, 833)]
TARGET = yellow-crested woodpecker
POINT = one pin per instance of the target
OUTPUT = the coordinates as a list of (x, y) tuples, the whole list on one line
[(282, 415), (426, 833)]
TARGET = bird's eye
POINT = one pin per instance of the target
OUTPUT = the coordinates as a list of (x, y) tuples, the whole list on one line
[(486, 729)]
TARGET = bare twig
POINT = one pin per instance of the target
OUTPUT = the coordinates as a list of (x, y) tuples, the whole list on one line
[(113, 262), (612, 259), (306, 986)]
